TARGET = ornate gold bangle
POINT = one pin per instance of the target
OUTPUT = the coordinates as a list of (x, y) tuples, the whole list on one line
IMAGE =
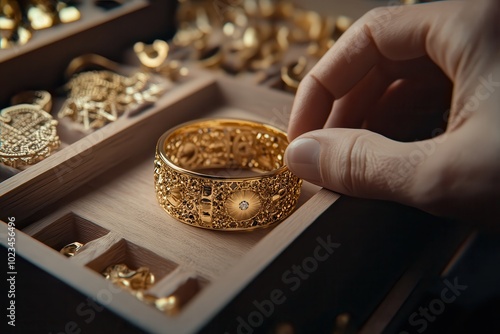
[(202, 175)]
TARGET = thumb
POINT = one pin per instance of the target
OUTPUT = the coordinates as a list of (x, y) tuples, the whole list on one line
[(358, 163)]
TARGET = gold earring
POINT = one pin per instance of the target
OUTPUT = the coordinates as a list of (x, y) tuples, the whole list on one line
[(154, 57), (292, 74)]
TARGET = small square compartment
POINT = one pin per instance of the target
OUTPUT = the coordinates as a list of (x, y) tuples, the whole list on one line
[(134, 257), (183, 284), (185, 293), (67, 229)]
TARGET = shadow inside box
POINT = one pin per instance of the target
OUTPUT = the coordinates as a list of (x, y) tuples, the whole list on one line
[(466, 299), (67, 229)]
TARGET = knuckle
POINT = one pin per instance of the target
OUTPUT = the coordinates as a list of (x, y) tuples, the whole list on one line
[(351, 163)]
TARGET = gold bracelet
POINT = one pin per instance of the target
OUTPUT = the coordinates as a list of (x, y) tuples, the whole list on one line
[(202, 175)]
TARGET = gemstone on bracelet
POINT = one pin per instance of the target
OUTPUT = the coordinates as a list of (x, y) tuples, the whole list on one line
[(244, 205)]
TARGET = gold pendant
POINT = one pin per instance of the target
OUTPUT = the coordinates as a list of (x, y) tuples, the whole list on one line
[(132, 280), (27, 135)]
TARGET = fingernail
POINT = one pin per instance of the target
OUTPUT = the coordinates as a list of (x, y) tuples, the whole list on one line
[(302, 158)]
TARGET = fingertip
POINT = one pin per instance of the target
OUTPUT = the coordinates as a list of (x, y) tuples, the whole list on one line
[(302, 158)]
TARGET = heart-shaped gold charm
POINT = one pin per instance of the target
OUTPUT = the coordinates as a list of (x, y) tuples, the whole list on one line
[(27, 135)]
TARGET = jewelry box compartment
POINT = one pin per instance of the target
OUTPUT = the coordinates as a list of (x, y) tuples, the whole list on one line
[(42, 60), (100, 191)]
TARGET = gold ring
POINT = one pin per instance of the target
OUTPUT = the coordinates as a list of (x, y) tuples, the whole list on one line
[(292, 75), (71, 249), (225, 174)]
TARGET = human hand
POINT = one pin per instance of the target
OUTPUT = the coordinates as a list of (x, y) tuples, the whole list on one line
[(429, 72)]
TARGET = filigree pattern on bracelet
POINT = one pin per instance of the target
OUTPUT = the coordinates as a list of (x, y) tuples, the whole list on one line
[(225, 199)]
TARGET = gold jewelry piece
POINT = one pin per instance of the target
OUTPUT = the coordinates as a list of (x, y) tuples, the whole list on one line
[(292, 75), (255, 36), (71, 249), (83, 62), (27, 135), (13, 30), (137, 282), (10, 17), (307, 26), (132, 280), (43, 14), (154, 58), (97, 98), (67, 14), (40, 98), (234, 200), (19, 18), (210, 58), (171, 304)]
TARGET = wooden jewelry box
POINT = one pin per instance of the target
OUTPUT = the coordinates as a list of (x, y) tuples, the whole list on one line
[(118, 217), (98, 189)]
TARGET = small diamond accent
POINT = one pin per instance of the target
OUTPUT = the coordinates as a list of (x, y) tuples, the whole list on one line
[(244, 205)]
